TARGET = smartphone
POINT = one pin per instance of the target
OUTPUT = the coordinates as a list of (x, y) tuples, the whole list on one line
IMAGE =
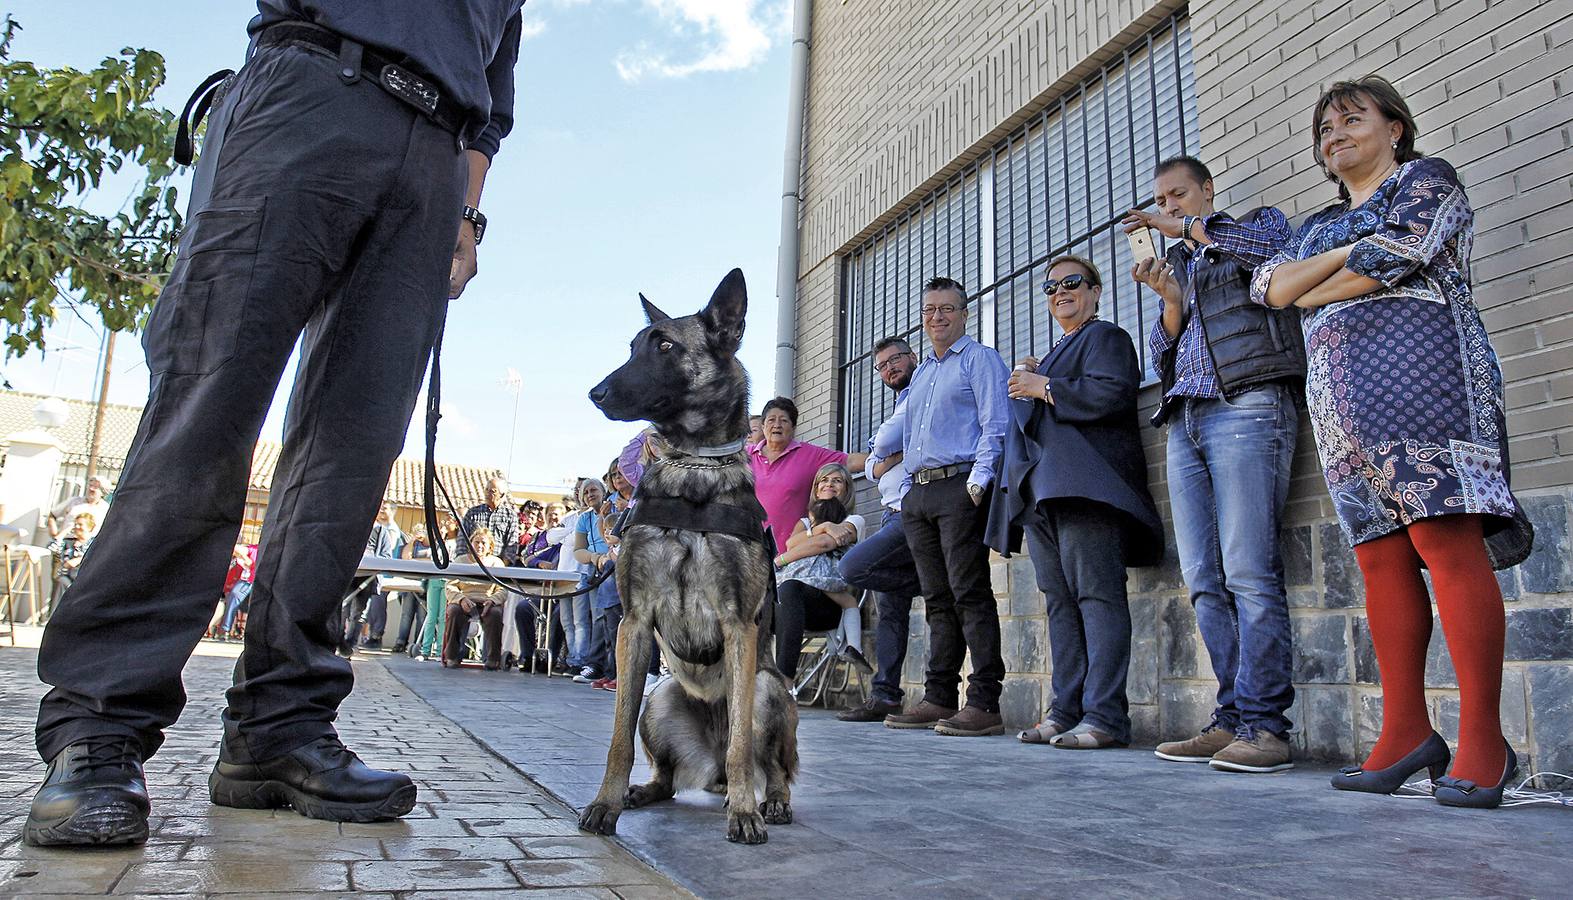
[(1142, 246)]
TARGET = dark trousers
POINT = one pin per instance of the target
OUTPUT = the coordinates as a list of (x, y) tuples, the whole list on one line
[(524, 618), (411, 617), (376, 619), (1080, 563), (882, 563), (321, 211), (457, 633), (945, 533), (800, 607)]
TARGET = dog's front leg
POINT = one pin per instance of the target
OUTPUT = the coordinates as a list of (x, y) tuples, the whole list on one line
[(633, 658), (743, 821)]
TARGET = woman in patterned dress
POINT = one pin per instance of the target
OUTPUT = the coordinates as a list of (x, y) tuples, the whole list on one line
[(1405, 397)]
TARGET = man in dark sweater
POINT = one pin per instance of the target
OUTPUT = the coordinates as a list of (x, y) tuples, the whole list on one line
[(336, 203)]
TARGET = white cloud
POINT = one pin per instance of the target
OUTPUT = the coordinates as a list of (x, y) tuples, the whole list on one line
[(732, 35), (531, 28)]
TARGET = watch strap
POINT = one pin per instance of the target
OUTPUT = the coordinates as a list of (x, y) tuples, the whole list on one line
[(478, 219)]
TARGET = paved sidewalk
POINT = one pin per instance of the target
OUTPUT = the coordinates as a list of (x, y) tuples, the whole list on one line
[(479, 830), (910, 813)]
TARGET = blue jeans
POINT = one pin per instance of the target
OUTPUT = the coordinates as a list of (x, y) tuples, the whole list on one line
[(575, 612), (1076, 552), (882, 563), (1228, 480), (234, 600)]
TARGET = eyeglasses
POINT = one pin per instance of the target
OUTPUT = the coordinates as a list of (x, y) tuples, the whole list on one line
[(879, 368), (1069, 282), (947, 311)]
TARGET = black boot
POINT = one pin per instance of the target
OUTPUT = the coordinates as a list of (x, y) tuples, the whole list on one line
[(321, 780), (93, 794)]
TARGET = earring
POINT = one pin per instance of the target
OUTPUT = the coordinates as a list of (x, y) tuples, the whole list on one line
[(1395, 145)]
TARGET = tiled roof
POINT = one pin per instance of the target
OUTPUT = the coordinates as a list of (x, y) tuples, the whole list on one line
[(466, 484), (120, 426), (406, 485)]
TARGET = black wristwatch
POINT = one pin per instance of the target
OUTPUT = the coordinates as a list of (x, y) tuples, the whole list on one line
[(478, 219)]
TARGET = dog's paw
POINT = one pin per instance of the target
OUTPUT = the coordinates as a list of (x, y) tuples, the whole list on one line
[(776, 812), (745, 827), (643, 795), (599, 818)]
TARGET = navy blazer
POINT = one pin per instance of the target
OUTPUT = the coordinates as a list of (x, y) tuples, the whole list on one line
[(1087, 446)]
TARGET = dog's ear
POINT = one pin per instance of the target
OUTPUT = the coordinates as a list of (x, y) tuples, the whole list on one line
[(651, 314), (723, 316)]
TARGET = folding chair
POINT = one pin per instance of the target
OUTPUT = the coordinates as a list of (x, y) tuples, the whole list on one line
[(821, 667)]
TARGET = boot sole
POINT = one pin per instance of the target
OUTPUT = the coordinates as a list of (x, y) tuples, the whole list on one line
[(278, 795), (957, 732), (102, 826), (1225, 766), (911, 726), (1184, 759)]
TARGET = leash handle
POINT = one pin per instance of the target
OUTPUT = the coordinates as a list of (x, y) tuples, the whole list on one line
[(195, 110)]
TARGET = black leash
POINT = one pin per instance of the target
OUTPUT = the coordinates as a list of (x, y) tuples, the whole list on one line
[(439, 549)]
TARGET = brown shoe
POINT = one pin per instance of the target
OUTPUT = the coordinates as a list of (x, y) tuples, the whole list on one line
[(1254, 750), (971, 722), (872, 711), (924, 715), (1199, 749)]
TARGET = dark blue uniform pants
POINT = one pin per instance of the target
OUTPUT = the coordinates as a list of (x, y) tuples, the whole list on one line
[(322, 211)]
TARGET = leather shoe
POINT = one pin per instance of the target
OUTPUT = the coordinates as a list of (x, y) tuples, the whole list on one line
[(872, 711), (94, 793), (924, 715), (321, 780), (1432, 755), (1464, 793), (971, 722)]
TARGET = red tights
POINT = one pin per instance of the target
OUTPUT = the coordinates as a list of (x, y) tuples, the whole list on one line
[(1470, 605)]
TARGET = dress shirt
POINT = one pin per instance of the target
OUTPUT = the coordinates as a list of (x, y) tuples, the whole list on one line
[(957, 411), (894, 483)]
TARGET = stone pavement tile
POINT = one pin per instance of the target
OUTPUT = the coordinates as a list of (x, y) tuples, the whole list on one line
[(649, 892), (285, 826), (552, 873), (233, 877), (516, 810), (421, 828), (566, 847), (446, 874), (522, 827), (93, 875), (152, 851), (548, 894), (450, 848), (283, 849)]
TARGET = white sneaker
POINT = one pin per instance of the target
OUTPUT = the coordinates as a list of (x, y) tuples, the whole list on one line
[(585, 676)]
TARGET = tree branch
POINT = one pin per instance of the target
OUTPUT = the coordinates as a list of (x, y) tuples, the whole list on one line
[(118, 272)]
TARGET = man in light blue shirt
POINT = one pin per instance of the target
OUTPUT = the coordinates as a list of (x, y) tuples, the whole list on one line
[(952, 435), (882, 562)]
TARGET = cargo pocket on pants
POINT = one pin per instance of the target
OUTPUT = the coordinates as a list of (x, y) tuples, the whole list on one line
[(196, 323)]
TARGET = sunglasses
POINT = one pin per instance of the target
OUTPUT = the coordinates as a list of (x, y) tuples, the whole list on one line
[(1069, 283)]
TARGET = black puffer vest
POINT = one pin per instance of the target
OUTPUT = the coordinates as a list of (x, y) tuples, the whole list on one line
[(1250, 344)]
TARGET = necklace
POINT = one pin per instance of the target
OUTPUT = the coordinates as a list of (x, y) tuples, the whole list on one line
[(1077, 328)]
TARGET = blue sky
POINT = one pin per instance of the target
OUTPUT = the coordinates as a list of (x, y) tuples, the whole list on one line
[(646, 157)]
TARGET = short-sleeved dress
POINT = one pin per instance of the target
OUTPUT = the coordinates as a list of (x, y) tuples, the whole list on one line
[(1403, 386)]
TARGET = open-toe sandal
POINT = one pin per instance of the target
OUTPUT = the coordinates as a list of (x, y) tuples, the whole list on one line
[(1084, 739), (1042, 733)]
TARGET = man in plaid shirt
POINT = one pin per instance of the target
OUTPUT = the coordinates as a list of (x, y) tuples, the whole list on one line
[(500, 517), (1230, 369)]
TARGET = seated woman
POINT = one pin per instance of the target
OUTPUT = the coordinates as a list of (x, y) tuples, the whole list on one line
[(1073, 478), (469, 600), (810, 594)]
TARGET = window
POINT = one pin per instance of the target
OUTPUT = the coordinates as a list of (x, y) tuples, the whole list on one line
[(1059, 184)]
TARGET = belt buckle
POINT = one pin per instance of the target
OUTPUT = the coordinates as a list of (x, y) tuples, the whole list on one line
[(407, 87)]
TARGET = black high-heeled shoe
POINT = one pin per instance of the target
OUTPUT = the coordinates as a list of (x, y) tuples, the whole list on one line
[(1464, 793), (1432, 754)]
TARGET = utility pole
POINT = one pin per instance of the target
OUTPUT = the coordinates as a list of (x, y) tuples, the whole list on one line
[(98, 414)]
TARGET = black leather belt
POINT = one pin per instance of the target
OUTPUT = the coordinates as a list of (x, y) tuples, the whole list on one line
[(939, 473), (394, 77)]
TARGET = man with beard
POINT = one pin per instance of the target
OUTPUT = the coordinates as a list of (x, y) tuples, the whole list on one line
[(882, 562)]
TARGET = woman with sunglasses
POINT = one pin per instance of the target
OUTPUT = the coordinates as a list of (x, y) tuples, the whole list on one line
[(1073, 479)]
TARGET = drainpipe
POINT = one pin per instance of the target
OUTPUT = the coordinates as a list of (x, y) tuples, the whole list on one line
[(791, 200)]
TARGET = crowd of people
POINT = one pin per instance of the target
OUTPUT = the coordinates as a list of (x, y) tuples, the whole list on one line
[(1362, 315)]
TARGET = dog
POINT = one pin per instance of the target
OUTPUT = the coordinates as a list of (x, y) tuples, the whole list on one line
[(694, 568)]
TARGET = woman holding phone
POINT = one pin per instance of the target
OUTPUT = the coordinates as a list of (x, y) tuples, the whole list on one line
[(1073, 478)]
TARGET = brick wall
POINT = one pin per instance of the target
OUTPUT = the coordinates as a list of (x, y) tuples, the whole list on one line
[(902, 95)]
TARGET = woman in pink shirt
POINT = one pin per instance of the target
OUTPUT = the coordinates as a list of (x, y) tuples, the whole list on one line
[(784, 468)]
